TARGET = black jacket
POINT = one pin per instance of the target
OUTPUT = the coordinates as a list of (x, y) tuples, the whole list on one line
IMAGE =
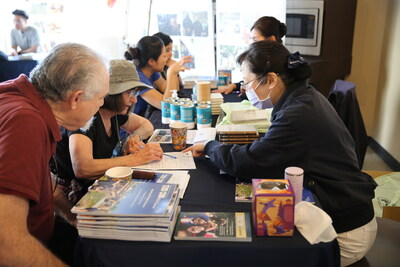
[(344, 99), (306, 132)]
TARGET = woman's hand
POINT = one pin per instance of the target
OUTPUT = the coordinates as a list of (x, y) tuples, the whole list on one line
[(197, 150), (133, 145), (150, 152), (180, 65), (170, 62)]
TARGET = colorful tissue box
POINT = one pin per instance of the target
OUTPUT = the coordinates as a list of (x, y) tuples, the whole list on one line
[(273, 207)]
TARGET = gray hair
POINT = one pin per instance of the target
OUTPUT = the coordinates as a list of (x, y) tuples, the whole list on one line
[(68, 66)]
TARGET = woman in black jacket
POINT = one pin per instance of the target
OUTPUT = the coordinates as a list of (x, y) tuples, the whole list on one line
[(305, 132)]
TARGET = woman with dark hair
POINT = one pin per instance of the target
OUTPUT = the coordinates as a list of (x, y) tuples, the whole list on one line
[(305, 132), (83, 156), (268, 28), (168, 43), (150, 58), (265, 28)]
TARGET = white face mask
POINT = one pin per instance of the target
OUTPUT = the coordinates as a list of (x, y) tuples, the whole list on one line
[(255, 101)]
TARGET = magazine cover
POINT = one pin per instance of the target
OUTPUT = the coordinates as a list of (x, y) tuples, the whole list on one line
[(161, 136), (141, 199), (213, 226), (181, 178), (243, 191)]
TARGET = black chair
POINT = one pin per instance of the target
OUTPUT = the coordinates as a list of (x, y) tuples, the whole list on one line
[(343, 98)]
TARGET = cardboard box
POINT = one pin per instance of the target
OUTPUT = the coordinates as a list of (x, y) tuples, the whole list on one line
[(273, 207)]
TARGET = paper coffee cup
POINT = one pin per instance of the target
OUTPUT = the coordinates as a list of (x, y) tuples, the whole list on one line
[(119, 173), (203, 91), (178, 135)]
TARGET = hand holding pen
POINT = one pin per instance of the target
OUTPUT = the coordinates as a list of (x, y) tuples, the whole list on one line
[(149, 152)]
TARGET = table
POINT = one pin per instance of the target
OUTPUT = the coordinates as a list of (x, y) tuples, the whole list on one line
[(208, 191), (12, 69)]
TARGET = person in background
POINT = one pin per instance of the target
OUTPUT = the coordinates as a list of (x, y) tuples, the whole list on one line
[(150, 58), (168, 43), (265, 28), (66, 89), (305, 132), (83, 156), (24, 38)]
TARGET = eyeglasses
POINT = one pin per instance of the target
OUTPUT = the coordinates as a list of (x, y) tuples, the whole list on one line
[(134, 92), (245, 85)]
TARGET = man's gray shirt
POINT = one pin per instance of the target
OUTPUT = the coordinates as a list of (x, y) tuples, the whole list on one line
[(30, 37)]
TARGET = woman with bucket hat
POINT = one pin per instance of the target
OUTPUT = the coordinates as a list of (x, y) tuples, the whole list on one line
[(83, 156)]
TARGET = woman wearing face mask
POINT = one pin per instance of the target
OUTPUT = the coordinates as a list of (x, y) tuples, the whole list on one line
[(305, 132), (265, 28)]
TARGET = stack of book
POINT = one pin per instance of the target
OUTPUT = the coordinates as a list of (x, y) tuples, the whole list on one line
[(127, 210), (237, 134), (216, 100)]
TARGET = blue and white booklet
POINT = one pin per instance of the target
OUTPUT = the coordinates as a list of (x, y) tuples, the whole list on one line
[(139, 200), (181, 178)]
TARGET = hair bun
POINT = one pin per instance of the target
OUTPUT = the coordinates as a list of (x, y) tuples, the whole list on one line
[(131, 53), (302, 72)]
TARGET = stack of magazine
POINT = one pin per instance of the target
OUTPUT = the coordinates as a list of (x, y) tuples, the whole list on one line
[(128, 210)]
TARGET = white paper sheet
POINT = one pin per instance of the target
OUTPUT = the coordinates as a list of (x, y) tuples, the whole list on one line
[(183, 161)]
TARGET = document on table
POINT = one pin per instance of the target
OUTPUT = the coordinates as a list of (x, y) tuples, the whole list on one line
[(204, 134), (163, 136), (183, 161)]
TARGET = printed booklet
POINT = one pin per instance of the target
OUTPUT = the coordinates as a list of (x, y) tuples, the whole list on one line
[(213, 226)]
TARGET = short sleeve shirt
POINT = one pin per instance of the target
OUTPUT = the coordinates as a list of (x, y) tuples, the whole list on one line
[(28, 136), (141, 105), (30, 37)]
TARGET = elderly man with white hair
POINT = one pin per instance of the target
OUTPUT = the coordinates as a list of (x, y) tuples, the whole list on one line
[(66, 90)]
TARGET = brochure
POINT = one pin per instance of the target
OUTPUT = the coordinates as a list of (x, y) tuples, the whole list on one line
[(213, 226)]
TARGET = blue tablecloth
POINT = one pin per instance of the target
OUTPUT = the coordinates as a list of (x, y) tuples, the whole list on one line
[(12, 69)]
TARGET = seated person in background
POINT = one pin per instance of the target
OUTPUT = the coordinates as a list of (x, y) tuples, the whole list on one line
[(83, 156), (168, 43), (23, 36), (265, 28), (305, 132), (66, 89), (150, 58)]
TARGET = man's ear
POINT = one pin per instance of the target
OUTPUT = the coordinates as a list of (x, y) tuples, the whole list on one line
[(74, 98)]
